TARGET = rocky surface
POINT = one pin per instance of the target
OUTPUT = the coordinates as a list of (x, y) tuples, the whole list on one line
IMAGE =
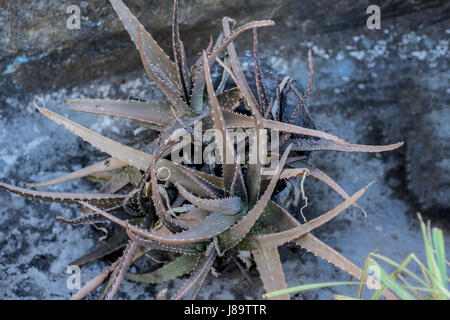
[(371, 86), (35, 38)]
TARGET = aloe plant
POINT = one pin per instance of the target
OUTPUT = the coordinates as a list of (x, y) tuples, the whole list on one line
[(228, 212)]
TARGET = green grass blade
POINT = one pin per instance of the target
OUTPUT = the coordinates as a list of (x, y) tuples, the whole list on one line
[(307, 287), (433, 269), (406, 270), (393, 285), (399, 269), (438, 241), (342, 297)]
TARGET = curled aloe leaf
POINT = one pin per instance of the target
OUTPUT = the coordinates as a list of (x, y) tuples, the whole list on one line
[(229, 206)]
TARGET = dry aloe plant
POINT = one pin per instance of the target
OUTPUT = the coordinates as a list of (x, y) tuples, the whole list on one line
[(232, 211)]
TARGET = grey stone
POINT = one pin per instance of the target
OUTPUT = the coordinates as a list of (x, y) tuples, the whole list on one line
[(38, 51)]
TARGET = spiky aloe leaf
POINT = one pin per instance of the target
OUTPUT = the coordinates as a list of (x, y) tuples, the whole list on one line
[(253, 178), (183, 248), (213, 225), (105, 165), (155, 112), (198, 276), (130, 254), (120, 180), (262, 96), (239, 76), (270, 270), (229, 206), (273, 219), (173, 225), (272, 240), (318, 248), (179, 56), (94, 283), (174, 269), (148, 47), (319, 175), (320, 145), (89, 218), (226, 149), (116, 242), (284, 221), (199, 82), (240, 121), (100, 200), (119, 273), (133, 157), (117, 150), (169, 88), (301, 103), (236, 233), (212, 189)]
